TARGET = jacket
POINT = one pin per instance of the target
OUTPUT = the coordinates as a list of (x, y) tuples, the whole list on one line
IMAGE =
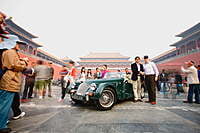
[(42, 72), (192, 75), (11, 80), (136, 73), (178, 79), (163, 77), (51, 71)]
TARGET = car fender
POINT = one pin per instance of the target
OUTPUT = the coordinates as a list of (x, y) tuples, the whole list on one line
[(101, 88)]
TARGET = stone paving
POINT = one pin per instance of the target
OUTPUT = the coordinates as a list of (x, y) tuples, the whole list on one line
[(168, 116)]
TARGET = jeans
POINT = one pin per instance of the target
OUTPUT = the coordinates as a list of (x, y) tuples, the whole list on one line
[(164, 87), (179, 88), (6, 99), (194, 89)]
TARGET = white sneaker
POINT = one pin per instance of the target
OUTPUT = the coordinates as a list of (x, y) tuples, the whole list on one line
[(19, 116), (40, 97)]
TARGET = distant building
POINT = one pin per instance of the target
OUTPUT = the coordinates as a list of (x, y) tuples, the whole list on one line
[(31, 46), (66, 60), (188, 48), (114, 61)]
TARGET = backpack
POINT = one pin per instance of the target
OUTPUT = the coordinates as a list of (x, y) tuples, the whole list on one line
[(1, 65)]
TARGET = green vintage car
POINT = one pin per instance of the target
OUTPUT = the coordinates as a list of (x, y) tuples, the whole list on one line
[(104, 93)]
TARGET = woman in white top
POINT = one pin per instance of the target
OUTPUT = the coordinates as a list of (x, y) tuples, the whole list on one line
[(82, 76)]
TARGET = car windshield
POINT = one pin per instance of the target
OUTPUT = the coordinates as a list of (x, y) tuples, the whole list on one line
[(110, 75)]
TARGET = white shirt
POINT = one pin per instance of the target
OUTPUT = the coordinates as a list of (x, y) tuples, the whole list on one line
[(82, 77), (150, 69), (192, 75), (138, 66), (163, 74)]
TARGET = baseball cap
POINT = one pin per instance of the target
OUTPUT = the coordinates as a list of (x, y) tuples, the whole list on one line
[(10, 42)]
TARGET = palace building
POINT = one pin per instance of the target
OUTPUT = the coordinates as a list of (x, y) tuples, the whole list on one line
[(66, 60), (31, 46), (31, 49), (187, 48), (115, 61)]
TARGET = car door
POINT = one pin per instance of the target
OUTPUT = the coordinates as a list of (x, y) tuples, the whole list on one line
[(127, 90)]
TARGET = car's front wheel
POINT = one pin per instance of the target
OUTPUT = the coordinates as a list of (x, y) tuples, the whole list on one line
[(107, 99)]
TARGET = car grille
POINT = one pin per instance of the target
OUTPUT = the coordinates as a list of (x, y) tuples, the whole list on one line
[(82, 89)]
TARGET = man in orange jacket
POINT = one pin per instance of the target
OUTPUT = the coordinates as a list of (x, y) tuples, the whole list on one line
[(11, 80)]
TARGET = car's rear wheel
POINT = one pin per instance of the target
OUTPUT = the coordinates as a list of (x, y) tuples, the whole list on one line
[(107, 99)]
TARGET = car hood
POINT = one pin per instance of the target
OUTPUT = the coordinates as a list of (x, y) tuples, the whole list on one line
[(82, 88)]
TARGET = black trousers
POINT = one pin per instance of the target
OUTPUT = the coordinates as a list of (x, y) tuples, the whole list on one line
[(16, 104), (28, 89), (64, 89), (151, 87)]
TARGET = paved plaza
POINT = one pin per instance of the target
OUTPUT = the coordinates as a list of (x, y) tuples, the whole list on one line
[(170, 115)]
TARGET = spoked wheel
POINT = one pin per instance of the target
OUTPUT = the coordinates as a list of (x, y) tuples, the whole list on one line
[(107, 99)]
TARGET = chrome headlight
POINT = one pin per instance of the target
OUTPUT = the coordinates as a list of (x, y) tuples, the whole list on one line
[(93, 86), (73, 85)]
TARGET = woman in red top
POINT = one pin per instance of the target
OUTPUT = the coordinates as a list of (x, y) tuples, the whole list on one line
[(72, 71)]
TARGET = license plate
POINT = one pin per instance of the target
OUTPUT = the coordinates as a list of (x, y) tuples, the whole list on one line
[(77, 97)]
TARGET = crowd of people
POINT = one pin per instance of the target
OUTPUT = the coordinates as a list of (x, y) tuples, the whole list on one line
[(185, 81), (87, 74), (147, 76), (69, 76), (37, 80)]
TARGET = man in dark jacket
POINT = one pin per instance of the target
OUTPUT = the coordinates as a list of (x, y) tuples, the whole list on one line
[(137, 78), (29, 85), (163, 78)]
